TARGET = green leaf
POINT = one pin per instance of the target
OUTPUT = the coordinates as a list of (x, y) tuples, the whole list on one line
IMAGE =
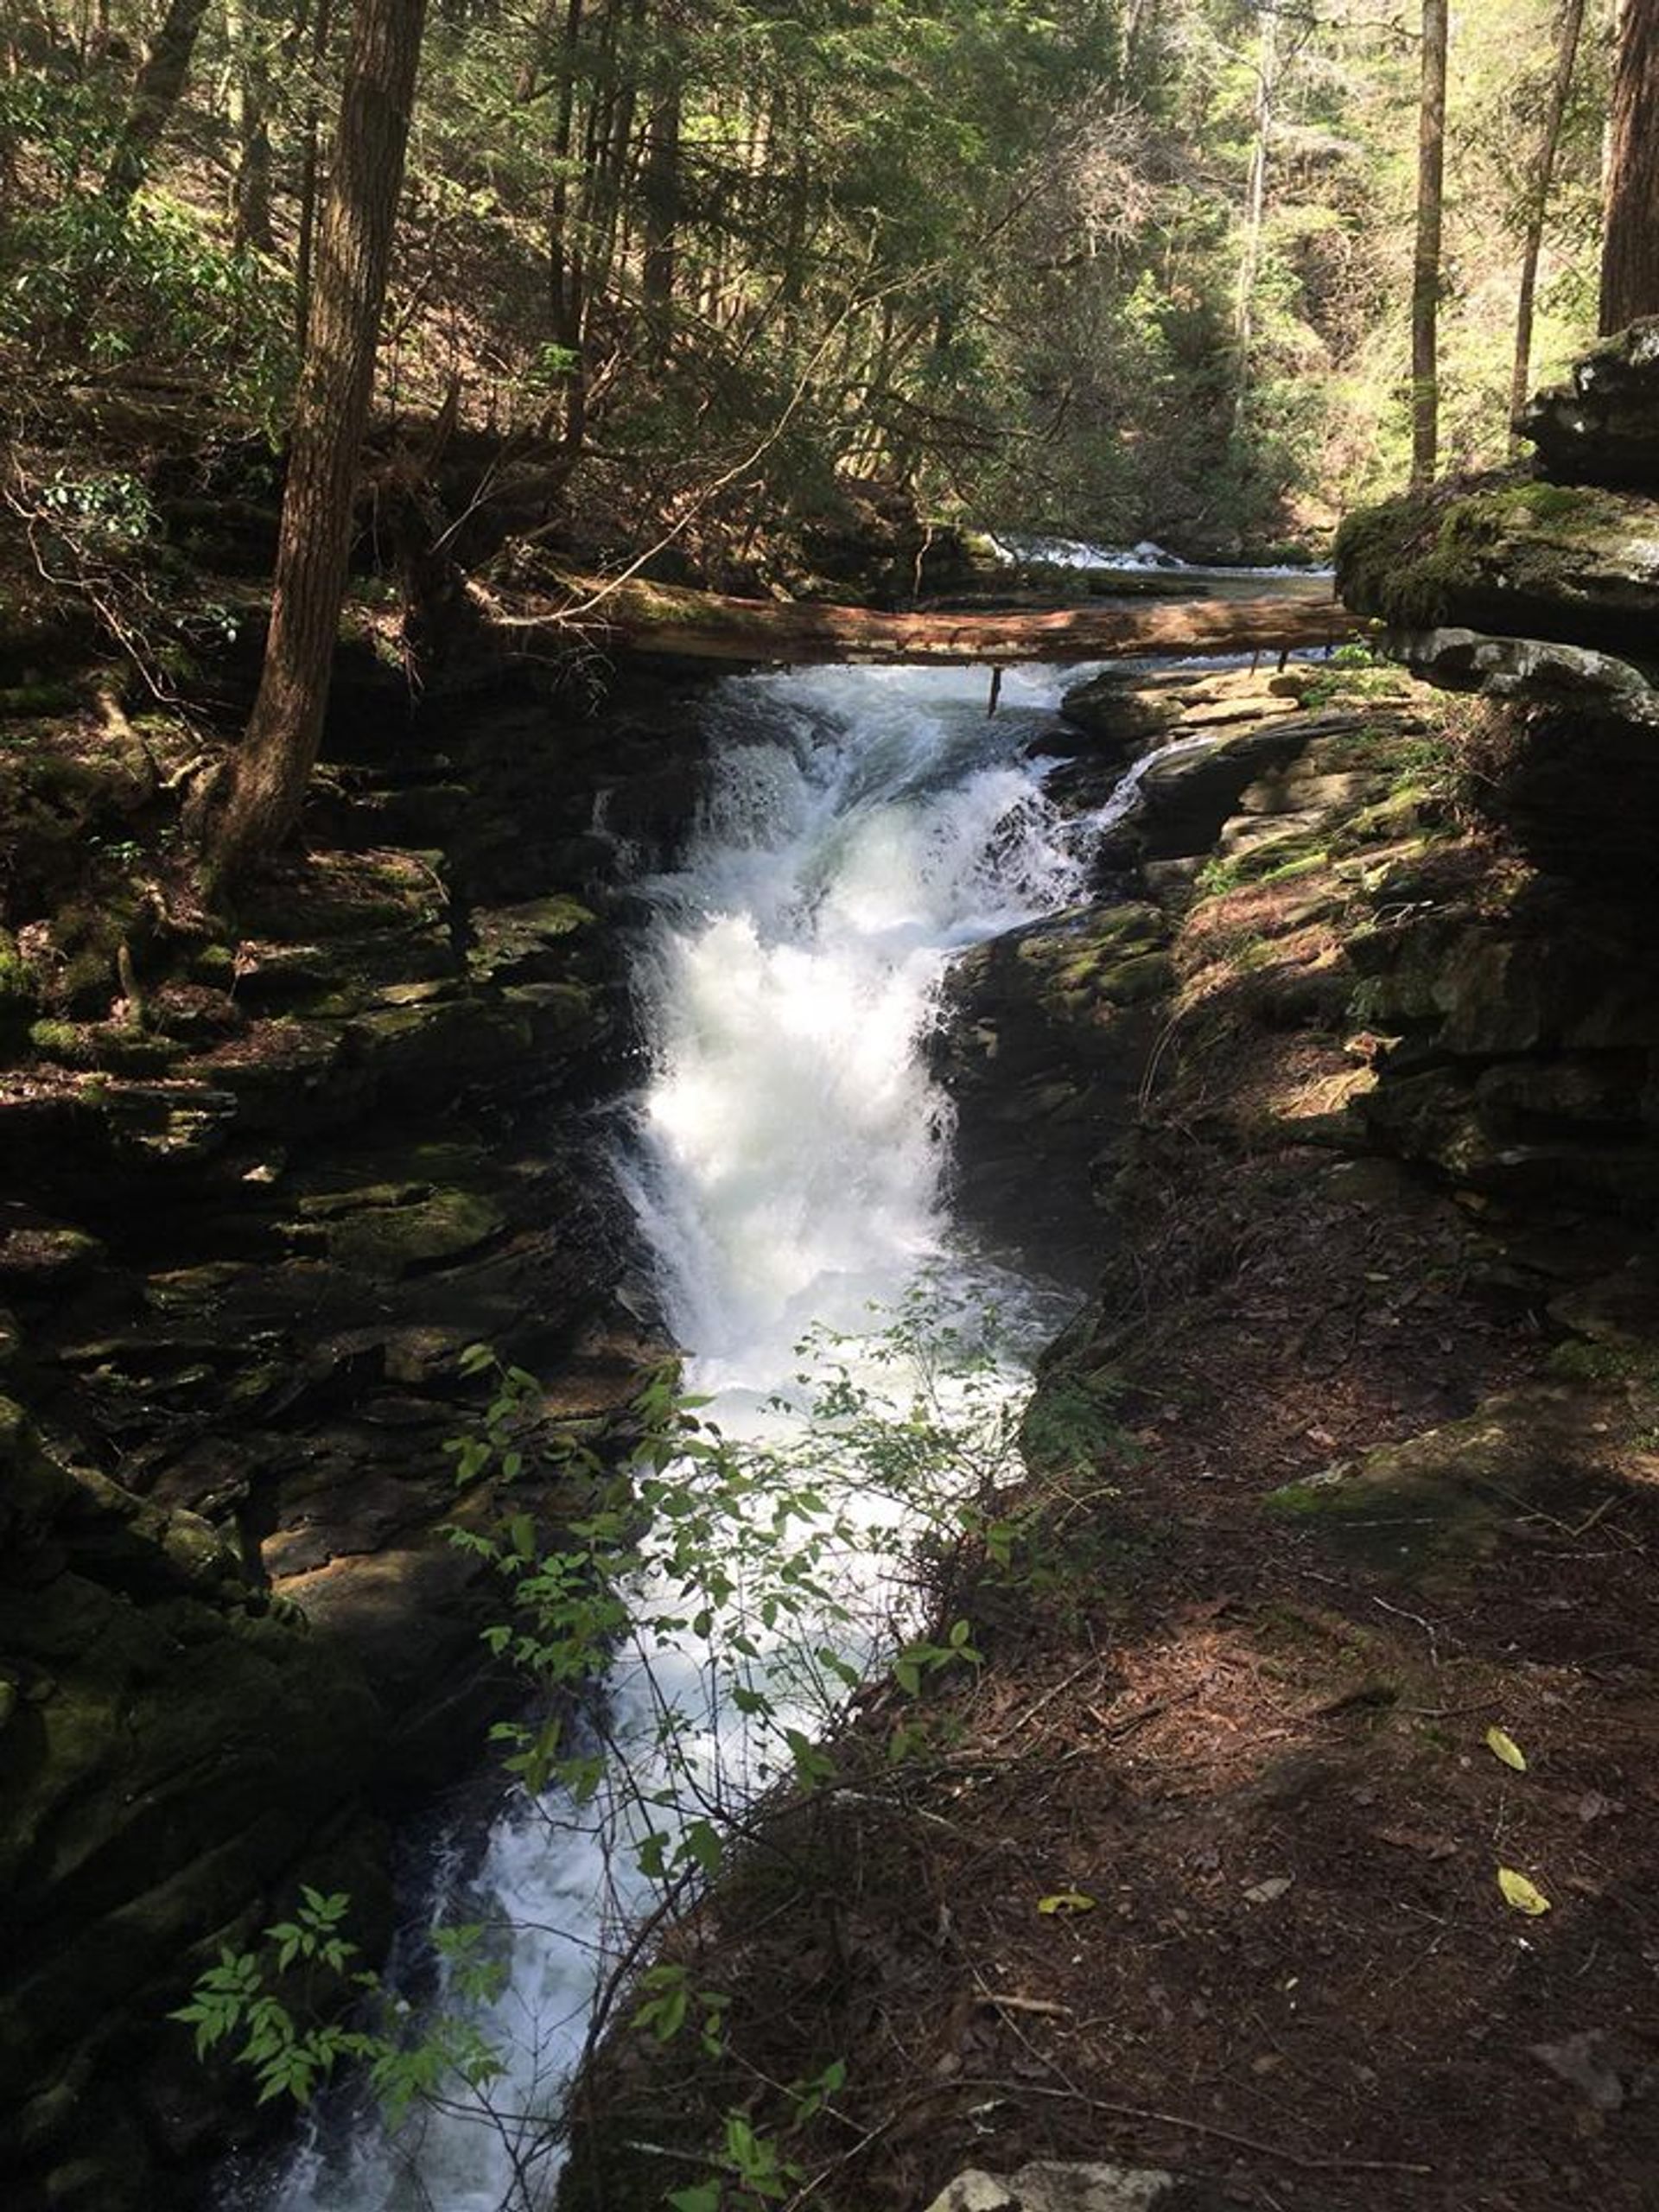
[(704, 2197)]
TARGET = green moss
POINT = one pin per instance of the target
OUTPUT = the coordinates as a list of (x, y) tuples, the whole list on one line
[(43, 697), (1276, 860), (1407, 560), (1575, 1361), (18, 984), (62, 1041), (117, 1048), (390, 1240)]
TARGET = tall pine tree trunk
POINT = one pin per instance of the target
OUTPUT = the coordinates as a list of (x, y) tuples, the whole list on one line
[(662, 198), (1629, 255), (1566, 56), (311, 170), (251, 120), (1255, 205), (273, 765), (155, 96), (1425, 265)]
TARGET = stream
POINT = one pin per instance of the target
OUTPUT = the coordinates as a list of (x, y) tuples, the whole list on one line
[(788, 1162)]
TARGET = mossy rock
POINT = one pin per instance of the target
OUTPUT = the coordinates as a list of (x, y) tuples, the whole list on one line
[(1432, 1508), (388, 1237), (45, 1256), (1515, 556), (349, 895), (529, 943), (441, 1049), (20, 994), (114, 1048), (1601, 425), (1092, 958)]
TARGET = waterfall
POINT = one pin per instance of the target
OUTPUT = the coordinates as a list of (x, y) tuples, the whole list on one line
[(787, 1160)]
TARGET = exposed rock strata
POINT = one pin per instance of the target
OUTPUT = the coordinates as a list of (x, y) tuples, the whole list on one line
[(257, 1194)]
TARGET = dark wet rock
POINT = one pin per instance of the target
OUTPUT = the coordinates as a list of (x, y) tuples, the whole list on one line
[(1601, 426), (137, 1666), (249, 1220), (656, 811), (1043, 1034), (41, 1257), (425, 1054)]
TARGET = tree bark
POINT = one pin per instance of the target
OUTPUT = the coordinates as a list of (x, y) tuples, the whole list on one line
[(273, 765), (1538, 206), (662, 198), (155, 96), (1629, 255), (251, 119), (668, 619), (1255, 203), (1425, 266), (310, 170)]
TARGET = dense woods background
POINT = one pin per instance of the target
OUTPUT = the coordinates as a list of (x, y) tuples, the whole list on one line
[(1114, 266)]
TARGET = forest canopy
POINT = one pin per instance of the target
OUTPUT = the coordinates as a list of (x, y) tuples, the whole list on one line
[(1113, 267)]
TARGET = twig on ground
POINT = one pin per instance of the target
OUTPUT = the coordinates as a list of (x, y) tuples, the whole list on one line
[(1188, 2125)]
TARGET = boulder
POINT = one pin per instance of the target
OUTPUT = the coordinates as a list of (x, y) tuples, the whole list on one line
[(1042, 1036), (1533, 670), (1189, 793), (1601, 426), (1569, 564), (1429, 1510)]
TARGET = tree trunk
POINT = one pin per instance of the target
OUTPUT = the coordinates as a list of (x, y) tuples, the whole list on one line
[(273, 765), (251, 120), (1538, 204), (1425, 266), (558, 238), (1255, 201), (668, 619), (311, 171), (1629, 254), (662, 198), (155, 96)]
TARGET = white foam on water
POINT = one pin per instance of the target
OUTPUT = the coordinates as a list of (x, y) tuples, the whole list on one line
[(786, 1161)]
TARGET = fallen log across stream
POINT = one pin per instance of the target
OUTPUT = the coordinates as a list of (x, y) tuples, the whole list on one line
[(1295, 612)]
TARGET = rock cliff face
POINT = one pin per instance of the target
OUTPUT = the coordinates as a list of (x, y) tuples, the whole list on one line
[(1504, 984), (258, 1191), (1526, 1064)]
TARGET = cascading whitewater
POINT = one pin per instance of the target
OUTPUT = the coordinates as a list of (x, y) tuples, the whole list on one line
[(786, 1162)]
